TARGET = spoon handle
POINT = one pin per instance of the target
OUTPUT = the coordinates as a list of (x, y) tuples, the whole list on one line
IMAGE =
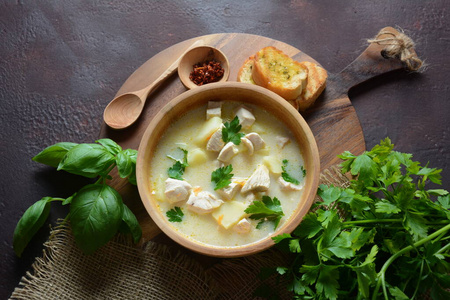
[(170, 70)]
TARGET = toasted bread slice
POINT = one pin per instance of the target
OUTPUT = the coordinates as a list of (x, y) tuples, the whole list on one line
[(317, 80), (245, 72), (279, 73)]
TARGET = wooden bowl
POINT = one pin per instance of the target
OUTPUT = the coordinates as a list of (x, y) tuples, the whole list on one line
[(198, 55), (247, 94)]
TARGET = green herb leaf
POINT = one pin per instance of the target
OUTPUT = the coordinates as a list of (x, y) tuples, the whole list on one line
[(327, 282), (88, 160), (110, 145), (329, 194), (230, 132), (386, 207), (222, 177), (132, 155), (175, 214), (281, 237), (69, 199), (285, 175), (130, 224), (95, 215), (53, 155), (31, 221), (384, 221), (309, 227), (178, 168), (176, 171), (266, 210)]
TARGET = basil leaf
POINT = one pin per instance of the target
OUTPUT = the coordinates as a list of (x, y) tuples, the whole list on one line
[(124, 164), (132, 154), (53, 155), (130, 224), (110, 145), (33, 219), (95, 215), (88, 160), (68, 200)]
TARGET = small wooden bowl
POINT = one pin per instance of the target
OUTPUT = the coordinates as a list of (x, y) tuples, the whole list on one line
[(247, 94), (199, 55)]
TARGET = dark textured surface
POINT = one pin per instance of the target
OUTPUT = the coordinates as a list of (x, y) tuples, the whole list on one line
[(62, 61)]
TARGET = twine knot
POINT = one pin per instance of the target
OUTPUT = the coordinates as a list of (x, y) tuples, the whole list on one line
[(400, 46)]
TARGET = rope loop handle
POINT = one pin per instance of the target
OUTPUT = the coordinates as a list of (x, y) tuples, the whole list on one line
[(399, 45)]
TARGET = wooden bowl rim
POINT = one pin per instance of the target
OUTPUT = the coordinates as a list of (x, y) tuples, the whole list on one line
[(202, 95), (186, 64)]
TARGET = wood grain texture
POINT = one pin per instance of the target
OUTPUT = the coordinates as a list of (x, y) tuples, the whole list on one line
[(332, 119)]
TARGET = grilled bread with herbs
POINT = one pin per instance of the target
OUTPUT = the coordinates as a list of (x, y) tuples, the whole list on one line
[(279, 73), (315, 83)]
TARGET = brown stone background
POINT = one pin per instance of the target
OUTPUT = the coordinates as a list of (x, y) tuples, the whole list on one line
[(62, 61)]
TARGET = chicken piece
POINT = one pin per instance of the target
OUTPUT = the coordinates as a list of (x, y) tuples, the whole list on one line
[(256, 139), (177, 190), (230, 190), (203, 202), (289, 186), (214, 109), (259, 181), (282, 141), (248, 144), (228, 152), (243, 226), (249, 198), (215, 143), (246, 118)]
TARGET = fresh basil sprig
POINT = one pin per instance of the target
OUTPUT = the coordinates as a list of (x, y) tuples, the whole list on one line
[(97, 211)]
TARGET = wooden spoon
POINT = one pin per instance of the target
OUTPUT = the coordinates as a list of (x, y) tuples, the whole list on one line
[(125, 109)]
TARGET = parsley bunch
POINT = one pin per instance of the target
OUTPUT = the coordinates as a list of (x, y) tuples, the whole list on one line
[(385, 235), (96, 210)]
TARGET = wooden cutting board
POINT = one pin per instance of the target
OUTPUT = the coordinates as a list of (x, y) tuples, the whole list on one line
[(332, 119)]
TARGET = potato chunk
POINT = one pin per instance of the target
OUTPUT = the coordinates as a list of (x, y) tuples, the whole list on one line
[(209, 127), (197, 157), (229, 213), (273, 164)]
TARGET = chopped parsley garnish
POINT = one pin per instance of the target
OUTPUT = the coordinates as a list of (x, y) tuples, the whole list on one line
[(177, 170), (266, 210), (230, 133), (175, 214), (288, 177), (222, 176)]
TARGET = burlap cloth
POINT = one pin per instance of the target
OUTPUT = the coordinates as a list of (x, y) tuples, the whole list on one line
[(121, 270)]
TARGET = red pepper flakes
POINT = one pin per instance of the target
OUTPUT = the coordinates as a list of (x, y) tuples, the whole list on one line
[(206, 72)]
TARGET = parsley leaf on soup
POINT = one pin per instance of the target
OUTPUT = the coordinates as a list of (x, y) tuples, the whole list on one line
[(178, 168), (175, 214), (266, 210), (230, 132), (288, 177), (222, 177)]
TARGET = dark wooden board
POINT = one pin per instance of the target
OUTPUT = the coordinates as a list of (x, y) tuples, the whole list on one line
[(332, 119)]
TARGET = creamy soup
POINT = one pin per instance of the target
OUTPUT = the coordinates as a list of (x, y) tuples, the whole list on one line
[(217, 216)]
